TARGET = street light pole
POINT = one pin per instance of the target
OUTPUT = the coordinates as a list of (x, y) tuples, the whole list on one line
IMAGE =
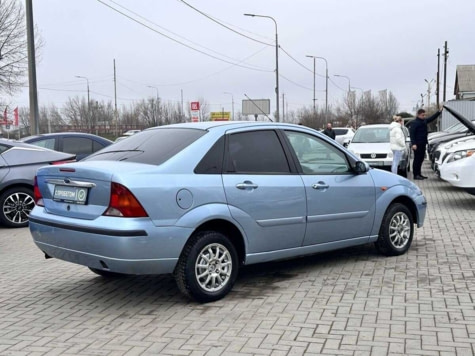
[(158, 106), (149, 86), (276, 62), (232, 102), (348, 78), (429, 82), (313, 81), (326, 81), (88, 100)]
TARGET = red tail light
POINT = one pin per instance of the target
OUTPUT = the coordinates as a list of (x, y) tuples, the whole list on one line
[(63, 162), (123, 203), (37, 194)]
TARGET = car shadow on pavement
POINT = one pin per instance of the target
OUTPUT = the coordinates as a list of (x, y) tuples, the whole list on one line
[(254, 281)]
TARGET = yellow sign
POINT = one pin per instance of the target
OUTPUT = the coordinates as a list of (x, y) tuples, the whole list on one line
[(220, 116)]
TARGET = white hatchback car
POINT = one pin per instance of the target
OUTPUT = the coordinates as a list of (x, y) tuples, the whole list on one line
[(457, 169), (371, 144)]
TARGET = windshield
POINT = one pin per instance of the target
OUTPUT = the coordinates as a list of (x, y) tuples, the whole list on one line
[(371, 135), (151, 146)]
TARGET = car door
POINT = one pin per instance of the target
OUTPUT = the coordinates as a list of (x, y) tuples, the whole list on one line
[(4, 167), (340, 203), (265, 194)]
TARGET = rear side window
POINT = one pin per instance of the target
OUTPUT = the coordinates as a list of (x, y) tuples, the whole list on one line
[(77, 145), (151, 146), (212, 162), (256, 152)]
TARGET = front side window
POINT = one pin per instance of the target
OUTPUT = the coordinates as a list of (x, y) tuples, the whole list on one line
[(317, 156), (256, 152)]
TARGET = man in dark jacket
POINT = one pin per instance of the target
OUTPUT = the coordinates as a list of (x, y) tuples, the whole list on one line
[(418, 131), (329, 131)]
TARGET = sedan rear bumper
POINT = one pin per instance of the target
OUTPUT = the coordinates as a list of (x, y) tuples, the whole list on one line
[(139, 247)]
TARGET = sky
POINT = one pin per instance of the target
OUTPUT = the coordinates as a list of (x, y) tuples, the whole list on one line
[(174, 49)]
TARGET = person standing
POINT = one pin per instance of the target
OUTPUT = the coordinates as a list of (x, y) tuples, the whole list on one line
[(418, 132), (329, 131), (397, 141)]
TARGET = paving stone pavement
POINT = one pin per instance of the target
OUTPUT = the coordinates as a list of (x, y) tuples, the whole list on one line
[(349, 302)]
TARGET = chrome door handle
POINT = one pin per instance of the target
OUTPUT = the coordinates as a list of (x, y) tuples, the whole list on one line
[(320, 185), (246, 185)]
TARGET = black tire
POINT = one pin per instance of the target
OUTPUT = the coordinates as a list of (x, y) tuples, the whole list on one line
[(396, 232), (200, 273), (16, 205), (470, 191), (107, 274), (403, 172)]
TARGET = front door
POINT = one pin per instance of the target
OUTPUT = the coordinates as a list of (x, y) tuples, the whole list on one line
[(340, 203)]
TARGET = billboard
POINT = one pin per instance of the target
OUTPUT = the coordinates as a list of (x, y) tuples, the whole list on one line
[(219, 116), (256, 107)]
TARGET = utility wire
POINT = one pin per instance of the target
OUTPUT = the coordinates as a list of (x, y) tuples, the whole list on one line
[(179, 42), (173, 33), (222, 24), (198, 79)]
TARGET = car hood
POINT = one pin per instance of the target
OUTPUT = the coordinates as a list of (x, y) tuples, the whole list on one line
[(468, 145), (369, 147), (466, 122)]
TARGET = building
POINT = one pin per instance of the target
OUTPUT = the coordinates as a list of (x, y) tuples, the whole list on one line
[(465, 82)]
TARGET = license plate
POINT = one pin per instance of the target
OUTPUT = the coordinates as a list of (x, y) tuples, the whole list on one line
[(376, 163), (68, 194)]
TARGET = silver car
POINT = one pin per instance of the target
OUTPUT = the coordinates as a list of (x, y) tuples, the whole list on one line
[(18, 164), (199, 200)]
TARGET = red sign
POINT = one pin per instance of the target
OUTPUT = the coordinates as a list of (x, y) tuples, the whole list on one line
[(195, 105), (195, 119)]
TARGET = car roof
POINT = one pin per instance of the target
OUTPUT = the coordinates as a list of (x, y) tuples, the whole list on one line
[(72, 134), (229, 125), (375, 126)]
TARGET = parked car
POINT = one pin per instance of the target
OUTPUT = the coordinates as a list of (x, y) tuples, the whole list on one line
[(18, 164), (445, 149), (371, 144), (79, 143), (131, 132), (459, 166), (120, 138), (467, 132), (201, 199), (433, 143), (344, 135)]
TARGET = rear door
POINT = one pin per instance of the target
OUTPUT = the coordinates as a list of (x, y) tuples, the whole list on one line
[(265, 195)]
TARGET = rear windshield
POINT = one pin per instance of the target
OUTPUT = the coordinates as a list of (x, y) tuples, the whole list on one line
[(150, 146), (340, 131)]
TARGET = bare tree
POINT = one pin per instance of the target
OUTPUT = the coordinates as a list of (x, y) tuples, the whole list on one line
[(13, 46)]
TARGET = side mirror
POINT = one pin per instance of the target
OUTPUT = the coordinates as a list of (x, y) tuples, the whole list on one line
[(361, 167)]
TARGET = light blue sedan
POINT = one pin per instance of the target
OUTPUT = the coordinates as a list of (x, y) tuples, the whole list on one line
[(199, 200)]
